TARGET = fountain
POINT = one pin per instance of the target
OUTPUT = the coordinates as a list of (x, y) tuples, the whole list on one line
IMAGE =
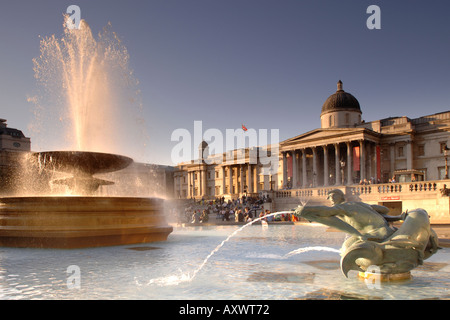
[(88, 73), (80, 219), (375, 248), (258, 263)]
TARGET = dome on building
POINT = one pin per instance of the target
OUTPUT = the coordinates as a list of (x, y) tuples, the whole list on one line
[(341, 101)]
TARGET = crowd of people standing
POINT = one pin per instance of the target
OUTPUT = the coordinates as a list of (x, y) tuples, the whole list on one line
[(244, 209), (241, 209)]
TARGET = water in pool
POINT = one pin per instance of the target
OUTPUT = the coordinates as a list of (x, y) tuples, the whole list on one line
[(274, 262)]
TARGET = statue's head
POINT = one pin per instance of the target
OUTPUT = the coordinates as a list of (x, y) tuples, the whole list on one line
[(336, 196)]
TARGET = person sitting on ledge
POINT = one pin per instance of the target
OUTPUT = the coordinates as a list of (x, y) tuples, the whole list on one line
[(204, 217)]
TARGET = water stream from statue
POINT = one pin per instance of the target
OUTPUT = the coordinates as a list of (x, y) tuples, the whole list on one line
[(188, 277)]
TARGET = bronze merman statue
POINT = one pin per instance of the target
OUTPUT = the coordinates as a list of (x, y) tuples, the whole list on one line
[(372, 241)]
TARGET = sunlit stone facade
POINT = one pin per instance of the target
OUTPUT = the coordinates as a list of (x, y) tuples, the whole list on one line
[(347, 150), (399, 162), (231, 175)]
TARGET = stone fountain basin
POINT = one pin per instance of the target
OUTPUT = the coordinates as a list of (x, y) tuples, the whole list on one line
[(78, 221), (81, 162)]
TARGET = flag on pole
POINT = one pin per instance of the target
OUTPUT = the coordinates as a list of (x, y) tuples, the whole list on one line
[(244, 128)]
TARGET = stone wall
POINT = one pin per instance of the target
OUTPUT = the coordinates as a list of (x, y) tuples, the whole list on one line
[(429, 195)]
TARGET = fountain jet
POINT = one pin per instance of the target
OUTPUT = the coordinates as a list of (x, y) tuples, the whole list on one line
[(88, 75)]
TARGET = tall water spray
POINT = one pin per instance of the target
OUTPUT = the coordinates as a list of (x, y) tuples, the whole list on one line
[(88, 97)]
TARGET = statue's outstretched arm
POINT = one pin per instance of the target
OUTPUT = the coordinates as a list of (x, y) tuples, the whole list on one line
[(380, 209), (326, 216), (384, 212), (318, 211)]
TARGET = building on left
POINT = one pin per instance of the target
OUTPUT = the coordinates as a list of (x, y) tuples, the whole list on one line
[(13, 145), (139, 179)]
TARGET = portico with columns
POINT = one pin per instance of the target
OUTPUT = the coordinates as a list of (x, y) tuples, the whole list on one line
[(229, 175), (339, 153), (327, 157), (343, 152)]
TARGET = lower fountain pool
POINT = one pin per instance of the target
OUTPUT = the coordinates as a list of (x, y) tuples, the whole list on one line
[(259, 262)]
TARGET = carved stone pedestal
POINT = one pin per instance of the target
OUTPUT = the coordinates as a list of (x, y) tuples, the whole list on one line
[(384, 277), (77, 222)]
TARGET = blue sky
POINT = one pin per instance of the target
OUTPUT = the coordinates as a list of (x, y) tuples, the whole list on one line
[(264, 63)]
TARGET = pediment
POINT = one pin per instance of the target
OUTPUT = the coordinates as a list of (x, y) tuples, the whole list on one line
[(329, 136)]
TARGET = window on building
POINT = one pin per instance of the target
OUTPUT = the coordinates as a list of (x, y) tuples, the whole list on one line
[(217, 174), (400, 152), (347, 118), (421, 150)]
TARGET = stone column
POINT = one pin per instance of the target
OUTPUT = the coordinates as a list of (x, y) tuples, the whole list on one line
[(376, 163), (203, 182), (304, 177), (314, 166), (362, 159), (369, 148), (392, 159), (284, 170), (349, 163), (190, 185), (200, 183), (176, 182), (181, 185), (249, 179), (337, 164), (409, 155), (241, 176), (230, 178), (223, 180), (325, 166), (193, 183), (294, 170)]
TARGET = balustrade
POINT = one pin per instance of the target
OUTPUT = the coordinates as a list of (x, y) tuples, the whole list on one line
[(411, 187)]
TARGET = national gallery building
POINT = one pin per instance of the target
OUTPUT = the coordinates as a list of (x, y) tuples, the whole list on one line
[(346, 150), (395, 154), (397, 162)]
